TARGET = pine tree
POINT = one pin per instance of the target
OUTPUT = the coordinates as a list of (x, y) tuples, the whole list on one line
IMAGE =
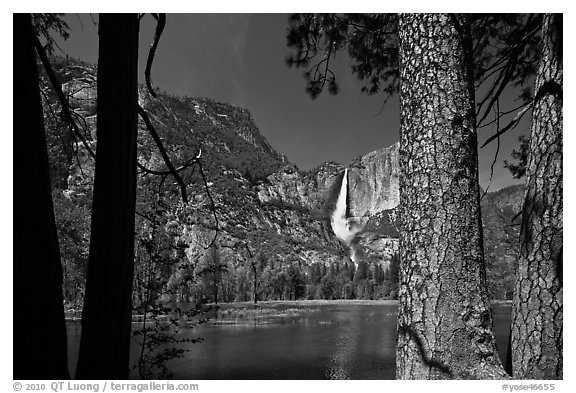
[(537, 331), (107, 313), (39, 353), (444, 321)]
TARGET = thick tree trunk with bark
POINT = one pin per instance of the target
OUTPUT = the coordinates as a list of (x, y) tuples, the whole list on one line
[(40, 351), (538, 309), (444, 319), (106, 318)]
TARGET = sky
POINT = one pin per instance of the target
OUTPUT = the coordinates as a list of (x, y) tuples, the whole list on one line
[(240, 59)]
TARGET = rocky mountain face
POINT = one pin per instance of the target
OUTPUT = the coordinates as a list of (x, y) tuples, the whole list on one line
[(372, 198), (374, 182), (501, 227), (263, 203)]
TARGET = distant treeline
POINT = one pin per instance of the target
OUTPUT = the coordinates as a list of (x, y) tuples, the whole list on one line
[(295, 282)]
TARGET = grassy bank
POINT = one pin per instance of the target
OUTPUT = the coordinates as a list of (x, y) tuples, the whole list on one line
[(275, 308), (304, 303), (284, 308)]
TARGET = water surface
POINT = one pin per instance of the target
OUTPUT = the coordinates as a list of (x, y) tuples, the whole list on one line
[(331, 340)]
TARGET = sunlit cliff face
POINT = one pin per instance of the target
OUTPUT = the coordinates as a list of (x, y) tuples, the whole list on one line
[(344, 228)]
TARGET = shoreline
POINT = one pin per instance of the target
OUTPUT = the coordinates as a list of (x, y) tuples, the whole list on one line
[(314, 302), (276, 308)]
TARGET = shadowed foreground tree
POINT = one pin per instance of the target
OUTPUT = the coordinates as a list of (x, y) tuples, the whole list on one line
[(106, 317), (538, 305), (444, 320), (39, 353)]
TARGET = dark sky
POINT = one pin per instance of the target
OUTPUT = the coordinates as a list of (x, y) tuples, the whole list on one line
[(239, 58)]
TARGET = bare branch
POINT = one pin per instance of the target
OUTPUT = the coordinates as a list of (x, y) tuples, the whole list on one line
[(167, 161), (144, 216), (53, 114), (161, 23), (510, 125), (66, 111), (149, 171), (505, 113), (497, 114), (497, 88), (160, 185), (486, 77)]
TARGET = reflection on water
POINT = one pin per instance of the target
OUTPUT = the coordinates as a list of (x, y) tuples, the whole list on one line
[(327, 341), (340, 364), (332, 341)]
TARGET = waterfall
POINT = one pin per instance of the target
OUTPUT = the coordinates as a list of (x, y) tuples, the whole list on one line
[(342, 226)]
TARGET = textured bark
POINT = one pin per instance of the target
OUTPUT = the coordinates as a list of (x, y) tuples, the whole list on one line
[(537, 313), (106, 318), (444, 319), (40, 352)]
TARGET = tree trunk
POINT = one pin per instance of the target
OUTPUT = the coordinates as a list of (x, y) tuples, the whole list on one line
[(40, 352), (538, 310), (215, 290), (106, 318), (444, 320), (255, 285)]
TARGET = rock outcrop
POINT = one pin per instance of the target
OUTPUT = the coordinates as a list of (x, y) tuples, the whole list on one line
[(374, 182)]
